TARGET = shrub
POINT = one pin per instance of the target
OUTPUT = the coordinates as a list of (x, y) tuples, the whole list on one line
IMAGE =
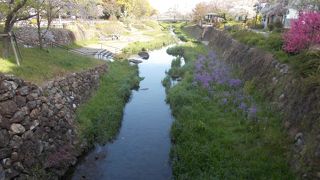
[(270, 27), (176, 51), (278, 24), (259, 26), (274, 42), (304, 32), (183, 38), (252, 41)]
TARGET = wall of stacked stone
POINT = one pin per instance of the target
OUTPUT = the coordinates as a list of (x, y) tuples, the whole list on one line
[(38, 132), (29, 36)]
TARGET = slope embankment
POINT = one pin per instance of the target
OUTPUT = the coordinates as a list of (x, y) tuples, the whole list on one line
[(297, 99)]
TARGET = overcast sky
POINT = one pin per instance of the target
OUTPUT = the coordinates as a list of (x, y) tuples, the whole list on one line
[(182, 5)]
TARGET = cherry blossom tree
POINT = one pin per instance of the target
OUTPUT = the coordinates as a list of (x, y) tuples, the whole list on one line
[(304, 32)]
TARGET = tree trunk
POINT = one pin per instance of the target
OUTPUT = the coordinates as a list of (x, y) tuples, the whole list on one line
[(39, 31), (6, 40)]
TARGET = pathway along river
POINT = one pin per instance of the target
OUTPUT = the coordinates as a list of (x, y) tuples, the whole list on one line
[(141, 150)]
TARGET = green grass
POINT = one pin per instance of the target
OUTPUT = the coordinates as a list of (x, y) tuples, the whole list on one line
[(100, 118), (84, 43), (273, 43), (303, 64), (151, 23), (212, 141), (39, 66), (160, 39)]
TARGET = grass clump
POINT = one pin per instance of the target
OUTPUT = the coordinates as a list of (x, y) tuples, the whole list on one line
[(100, 118), (176, 51), (176, 71), (39, 66), (183, 38)]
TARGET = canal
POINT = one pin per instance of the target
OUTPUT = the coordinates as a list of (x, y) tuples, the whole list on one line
[(141, 149)]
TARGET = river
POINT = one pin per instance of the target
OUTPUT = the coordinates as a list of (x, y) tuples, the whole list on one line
[(141, 149)]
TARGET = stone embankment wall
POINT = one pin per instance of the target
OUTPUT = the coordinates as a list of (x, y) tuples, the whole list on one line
[(38, 133), (76, 31), (29, 36), (297, 100)]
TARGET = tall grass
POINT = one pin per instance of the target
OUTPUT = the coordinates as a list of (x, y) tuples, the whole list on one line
[(100, 118), (213, 142), (212, 139)]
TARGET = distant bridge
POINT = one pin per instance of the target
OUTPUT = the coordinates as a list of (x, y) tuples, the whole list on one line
[(172, 19)]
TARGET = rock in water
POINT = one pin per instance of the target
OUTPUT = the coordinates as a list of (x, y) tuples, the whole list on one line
[(144, 55)]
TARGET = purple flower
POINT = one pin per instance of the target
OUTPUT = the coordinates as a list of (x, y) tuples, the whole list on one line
[(252, 112), (243, 106), (224, 101), (212, 55), (234, 82)]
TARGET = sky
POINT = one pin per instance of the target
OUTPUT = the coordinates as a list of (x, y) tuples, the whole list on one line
[(183, 6)]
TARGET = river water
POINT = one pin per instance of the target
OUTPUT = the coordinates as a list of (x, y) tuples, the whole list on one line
[(141, 150)]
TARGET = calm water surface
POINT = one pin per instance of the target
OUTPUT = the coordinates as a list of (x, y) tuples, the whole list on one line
[(141, 150)]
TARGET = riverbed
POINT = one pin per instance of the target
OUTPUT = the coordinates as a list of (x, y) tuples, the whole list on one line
[(141, 149)]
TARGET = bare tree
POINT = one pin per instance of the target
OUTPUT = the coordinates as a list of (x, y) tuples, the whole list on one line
[(47, 10)]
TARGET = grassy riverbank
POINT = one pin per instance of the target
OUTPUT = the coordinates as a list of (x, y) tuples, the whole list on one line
[(100, 118), (160, 39), (39, 66), (222, 131)]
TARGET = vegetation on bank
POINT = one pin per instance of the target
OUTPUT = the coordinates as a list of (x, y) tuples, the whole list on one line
[(39, 66), (161, 39), (100, 118), (305, 64), (214, 136)]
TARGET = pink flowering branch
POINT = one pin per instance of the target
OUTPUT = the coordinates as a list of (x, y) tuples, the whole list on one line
[(304, 32)]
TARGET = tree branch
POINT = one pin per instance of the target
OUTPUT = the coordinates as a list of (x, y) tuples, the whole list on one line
[(25, 17)]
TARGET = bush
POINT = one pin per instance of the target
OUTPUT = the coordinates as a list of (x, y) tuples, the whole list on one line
[(183, 38), (259, 26), (304, 32), (176, 51), (270, 27), (252, 41), (278, 24), (274, 42)]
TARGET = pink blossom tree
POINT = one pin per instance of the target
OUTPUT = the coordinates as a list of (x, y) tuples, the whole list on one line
[(304, 32)]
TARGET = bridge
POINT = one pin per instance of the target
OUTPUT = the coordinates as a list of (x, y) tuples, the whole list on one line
[(172, 18)]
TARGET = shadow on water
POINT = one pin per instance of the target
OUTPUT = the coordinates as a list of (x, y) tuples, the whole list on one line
[(141, 150)]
